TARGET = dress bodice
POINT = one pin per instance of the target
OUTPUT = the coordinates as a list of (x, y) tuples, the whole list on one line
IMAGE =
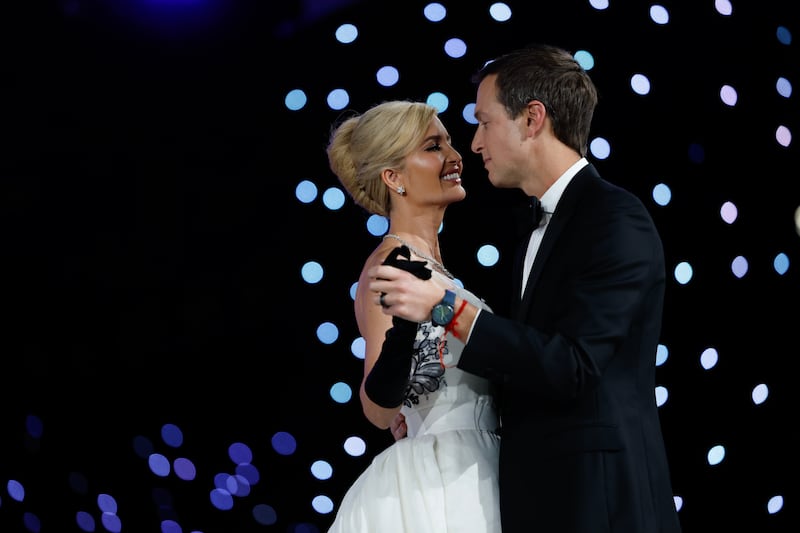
[(440, 396)]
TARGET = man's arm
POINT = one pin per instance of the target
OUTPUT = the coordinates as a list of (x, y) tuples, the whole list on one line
[(411, 298)]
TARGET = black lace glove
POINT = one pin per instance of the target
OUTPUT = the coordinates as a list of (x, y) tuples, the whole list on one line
[(386, 383)]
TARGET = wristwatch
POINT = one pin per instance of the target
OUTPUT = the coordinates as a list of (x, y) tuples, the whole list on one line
[(442, 313)]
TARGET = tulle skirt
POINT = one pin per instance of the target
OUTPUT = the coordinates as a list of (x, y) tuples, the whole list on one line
[(431, 483)]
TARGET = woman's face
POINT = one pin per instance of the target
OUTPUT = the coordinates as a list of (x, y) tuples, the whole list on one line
[(433, 170)]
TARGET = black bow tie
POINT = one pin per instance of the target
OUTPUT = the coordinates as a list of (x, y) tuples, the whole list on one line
[(528, 217)]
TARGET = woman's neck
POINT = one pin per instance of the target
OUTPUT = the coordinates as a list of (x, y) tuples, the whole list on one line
[(422, 240), (435, 262)]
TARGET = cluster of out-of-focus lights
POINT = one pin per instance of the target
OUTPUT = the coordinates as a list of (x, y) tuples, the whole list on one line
[(661, 392), (600, 148), (388, 75), (226, 485), (239, 483), (160, 466), (436, 12)]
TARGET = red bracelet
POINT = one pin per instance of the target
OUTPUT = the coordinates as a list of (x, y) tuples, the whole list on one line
[(450, 328)]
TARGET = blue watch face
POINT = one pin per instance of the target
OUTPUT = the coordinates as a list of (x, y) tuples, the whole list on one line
[(442, 313)]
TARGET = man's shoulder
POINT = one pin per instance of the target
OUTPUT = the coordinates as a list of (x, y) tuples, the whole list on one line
[(594, 184)]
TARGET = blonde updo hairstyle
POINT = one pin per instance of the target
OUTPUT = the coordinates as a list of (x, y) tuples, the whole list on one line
[(362, 146)]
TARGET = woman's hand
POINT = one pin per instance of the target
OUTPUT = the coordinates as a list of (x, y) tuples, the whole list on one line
[(398, 426)]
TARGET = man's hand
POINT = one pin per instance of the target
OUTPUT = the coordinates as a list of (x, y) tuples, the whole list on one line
[(398, 426), (404, 295)]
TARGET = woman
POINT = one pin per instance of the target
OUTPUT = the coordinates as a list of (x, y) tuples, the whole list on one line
[(396, 160)]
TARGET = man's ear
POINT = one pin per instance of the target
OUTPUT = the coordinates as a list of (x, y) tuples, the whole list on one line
[(535, 114)]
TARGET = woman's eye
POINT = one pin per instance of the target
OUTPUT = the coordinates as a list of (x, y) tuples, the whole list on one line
[(435, 148)]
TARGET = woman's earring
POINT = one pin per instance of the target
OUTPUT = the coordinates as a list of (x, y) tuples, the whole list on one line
[(401, 190)]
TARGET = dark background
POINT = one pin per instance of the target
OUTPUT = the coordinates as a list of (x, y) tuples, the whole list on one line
[(152, 241)]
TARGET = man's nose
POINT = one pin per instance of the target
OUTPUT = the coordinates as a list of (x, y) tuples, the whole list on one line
[(476, 144)]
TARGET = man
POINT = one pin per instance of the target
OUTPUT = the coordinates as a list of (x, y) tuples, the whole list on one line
[(581, 446)]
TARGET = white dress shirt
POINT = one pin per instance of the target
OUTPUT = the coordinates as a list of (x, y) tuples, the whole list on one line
[(549, 202)]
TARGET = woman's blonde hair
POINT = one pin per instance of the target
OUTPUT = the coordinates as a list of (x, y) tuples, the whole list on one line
[(362, 146)]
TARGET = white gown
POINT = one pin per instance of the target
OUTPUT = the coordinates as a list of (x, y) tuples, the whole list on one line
[(443, 476)]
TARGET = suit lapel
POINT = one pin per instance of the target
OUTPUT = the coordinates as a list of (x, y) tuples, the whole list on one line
[(558, 221), (519, 260)]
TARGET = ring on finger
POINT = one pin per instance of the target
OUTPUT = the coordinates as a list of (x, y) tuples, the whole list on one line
[(382, 301)]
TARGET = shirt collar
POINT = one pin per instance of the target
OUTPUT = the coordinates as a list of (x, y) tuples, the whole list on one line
[(551, 197)]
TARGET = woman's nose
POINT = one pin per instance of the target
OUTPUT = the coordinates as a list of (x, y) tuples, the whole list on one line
[(454, 156)]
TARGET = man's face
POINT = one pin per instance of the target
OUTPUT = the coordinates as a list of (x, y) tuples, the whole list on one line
[(499, 139)]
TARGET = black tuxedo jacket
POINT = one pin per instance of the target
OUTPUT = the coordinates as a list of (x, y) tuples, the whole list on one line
[(581, 443)]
